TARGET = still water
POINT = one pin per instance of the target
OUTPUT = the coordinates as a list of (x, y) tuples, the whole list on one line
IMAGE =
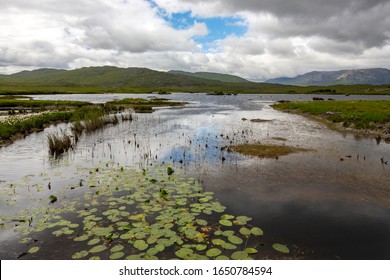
[(331, 202)]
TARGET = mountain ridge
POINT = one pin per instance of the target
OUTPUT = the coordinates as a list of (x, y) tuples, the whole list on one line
[(373, 76)]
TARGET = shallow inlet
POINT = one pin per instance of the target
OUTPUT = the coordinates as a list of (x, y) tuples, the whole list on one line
[(330, 202)]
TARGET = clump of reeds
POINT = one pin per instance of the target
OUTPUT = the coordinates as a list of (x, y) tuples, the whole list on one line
[(59, 144)]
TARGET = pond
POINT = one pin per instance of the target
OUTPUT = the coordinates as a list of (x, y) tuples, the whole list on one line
[(329, 202)]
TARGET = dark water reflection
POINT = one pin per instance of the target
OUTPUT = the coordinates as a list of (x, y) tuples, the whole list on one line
[(330, 202)]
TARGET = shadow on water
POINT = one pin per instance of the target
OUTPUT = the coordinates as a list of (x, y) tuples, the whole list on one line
[(332, 202)]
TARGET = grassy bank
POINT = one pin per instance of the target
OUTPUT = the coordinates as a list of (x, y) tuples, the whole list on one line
[(371, 116), (85, 116)]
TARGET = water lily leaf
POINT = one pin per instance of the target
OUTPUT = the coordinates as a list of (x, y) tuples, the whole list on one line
[(222, 258), (117, 248), (228, 246), (98, 249), (151, 240), (94, 258), (239, 255), (117, 255), (243, 218), (134, 257), (160, 247), (80, 255), (227, 217), (201, 247), (235, 240), (152, 252), (214, 252), (257, 231), (226, 223), (81, 238), (93, 241), (228, 233), (281, 248), (250, 250), (218, 232), (218, 242), (184, 253), (201, 222), (245, 231), (141, 245), (33, 250)]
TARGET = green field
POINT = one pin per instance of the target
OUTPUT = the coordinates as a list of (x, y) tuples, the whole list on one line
[(358, 114)]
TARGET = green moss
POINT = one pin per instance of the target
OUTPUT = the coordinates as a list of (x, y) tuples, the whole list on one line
[(264, 151)]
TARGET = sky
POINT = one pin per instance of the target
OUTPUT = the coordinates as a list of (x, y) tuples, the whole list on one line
[(255, 39)]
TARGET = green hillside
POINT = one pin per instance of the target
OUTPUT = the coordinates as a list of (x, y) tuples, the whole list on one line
[(212, 76), (141, 80)]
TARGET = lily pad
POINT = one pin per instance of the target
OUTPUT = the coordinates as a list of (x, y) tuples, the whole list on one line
[(33, 250), (227, 217), (281, 248), (117, 248), (257, 231), (222, 258), (201, 247), (117, 255), (250, 250), (184, 253), (141, 245), (93, 241), (239, 255), (226, 223), (214, 252), (98, 249), (245, 231), (235, 240), (80, 255)]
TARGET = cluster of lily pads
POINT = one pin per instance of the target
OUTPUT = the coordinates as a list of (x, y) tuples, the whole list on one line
[(153, 213)]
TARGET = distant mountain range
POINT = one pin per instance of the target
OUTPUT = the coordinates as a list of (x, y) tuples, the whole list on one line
[(374, 76), (110, 76)]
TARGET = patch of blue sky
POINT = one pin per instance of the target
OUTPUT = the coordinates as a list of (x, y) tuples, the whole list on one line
[(218, 27)]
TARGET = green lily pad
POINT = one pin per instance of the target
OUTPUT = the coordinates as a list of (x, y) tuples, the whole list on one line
[(228, 233), (235, 240), (214, 252), (201, 247), (117, 248), (93, 241), (239, 255), (257, 231), (117, 255), (141, 245), (222, 258), (281, 248), (184, 253), (134, 257), (201, 222), (98, 249), (33, 250), (245, 231), (226, 223), (250, 250), (227, 217), (228, 246), (80, 255)]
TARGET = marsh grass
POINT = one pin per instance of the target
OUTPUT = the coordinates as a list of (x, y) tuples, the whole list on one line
[(265, 151), (360, 114), (58, 144)]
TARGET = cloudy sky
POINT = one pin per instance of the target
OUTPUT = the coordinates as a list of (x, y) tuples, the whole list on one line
[(256, 39)]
